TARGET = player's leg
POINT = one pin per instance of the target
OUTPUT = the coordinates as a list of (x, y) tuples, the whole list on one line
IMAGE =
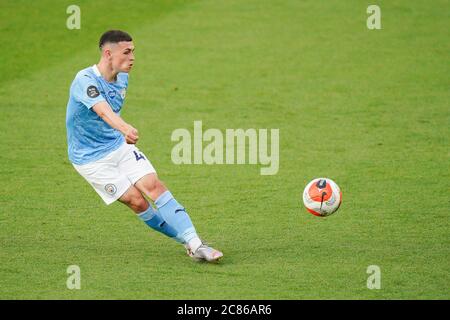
[(134, 165), (141, 173), (106, 179), (176, 215), (134, 199)]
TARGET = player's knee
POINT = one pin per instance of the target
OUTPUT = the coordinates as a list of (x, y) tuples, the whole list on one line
[(140, 204), (135, 200), (153, 185), (159, 185)]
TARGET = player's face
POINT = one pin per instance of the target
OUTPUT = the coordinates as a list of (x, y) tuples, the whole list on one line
[(122, 56)]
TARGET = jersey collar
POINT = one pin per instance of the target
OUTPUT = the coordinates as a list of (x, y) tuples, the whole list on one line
[(96, 71), (98, 74)]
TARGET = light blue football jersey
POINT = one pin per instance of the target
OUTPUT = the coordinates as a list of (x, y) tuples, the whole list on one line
[(89, 137)]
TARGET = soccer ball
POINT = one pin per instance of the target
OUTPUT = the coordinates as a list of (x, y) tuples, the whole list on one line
[(322, 197)]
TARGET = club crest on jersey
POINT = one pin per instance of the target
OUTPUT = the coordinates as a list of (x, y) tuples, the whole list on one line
[(112, 94), (110, 188), (123, 92), (92, 92)]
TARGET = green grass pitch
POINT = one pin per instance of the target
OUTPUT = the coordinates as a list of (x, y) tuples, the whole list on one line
[(367, 108)]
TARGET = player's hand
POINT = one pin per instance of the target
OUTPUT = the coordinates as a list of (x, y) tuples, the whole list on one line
[(131, 135)]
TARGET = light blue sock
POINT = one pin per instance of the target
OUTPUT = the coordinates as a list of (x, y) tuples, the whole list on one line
[(176, 216), (154, 220)]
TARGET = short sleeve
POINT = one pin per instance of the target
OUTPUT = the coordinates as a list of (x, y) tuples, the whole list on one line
[(86, 91)]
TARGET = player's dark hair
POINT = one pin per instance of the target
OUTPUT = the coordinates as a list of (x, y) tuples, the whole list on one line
[(113, 36)]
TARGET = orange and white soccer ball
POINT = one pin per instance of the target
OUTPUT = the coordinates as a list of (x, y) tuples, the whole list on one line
[(322, 197)]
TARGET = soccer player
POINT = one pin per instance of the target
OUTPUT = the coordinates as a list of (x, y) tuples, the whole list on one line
[(102, 147)]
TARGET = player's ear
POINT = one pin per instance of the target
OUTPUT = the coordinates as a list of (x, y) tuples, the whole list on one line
[(107, 53)]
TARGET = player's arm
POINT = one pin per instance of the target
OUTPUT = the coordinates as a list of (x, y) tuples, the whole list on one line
[(105, 112)]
